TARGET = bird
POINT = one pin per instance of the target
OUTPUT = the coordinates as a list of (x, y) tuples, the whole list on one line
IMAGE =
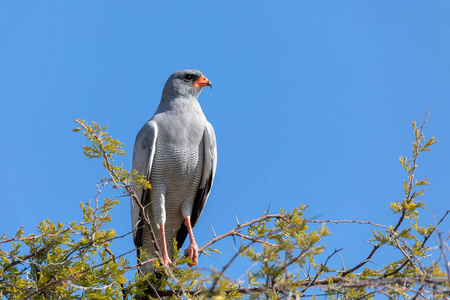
[(176, 152)]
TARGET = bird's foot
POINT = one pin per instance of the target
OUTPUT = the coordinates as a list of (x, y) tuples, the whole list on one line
[(167, 260), (192, 253)]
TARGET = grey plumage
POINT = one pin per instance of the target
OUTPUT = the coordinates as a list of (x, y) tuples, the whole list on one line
[(176, 151)]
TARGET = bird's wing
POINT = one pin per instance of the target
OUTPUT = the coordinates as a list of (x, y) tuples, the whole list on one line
[(206, 181), (143, 153)]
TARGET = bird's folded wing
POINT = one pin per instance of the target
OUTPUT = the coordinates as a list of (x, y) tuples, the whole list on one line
[(209, 171), (143, 154), (206, 181)]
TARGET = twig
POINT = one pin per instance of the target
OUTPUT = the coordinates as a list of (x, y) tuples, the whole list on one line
[(150, 284), (338, 283), (253, 239), (409, 197), (71, 276), (233, 231), (320, 271), (413, 171), (422, 245), (213, 286), (346, 221), (408, 258)]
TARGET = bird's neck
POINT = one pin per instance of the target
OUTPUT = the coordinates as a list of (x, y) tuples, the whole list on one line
[(178, 104)]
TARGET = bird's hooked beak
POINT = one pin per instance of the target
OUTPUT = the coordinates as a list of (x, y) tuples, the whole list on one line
[(202, 81)]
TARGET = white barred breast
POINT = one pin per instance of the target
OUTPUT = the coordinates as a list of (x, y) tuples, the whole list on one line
[(175, 176)]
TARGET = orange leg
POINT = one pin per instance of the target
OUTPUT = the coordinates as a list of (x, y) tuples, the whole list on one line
[(166, 258), (192, 250)]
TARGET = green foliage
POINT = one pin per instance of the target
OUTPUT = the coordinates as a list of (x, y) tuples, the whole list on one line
[(64, 262), (105, 147), (286, 251), (409, 205)]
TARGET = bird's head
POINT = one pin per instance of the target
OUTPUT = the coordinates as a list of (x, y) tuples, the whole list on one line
[(185, 83)]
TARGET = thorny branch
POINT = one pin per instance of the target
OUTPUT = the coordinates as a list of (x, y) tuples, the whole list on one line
[(235, 230), (72, 276), (422, 245), (409, 198), (346, 221), (423, 285), (217, 277), (338, 283)]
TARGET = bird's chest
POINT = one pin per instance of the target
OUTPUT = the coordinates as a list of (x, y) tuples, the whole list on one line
[(178, 160), (181, 129), (177, 167)]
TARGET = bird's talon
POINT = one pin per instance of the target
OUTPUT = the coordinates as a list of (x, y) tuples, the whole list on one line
[(192, 253), (167, 261)]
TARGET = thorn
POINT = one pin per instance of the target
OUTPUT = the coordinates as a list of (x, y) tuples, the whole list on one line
[(316, 217), (371, 262), (244, 220), (369, 242), (268, 209), (342, 261), (209, 255), (237, 221), (264, 211), (308, 269), (236, 250), (234, 240), (213, 230)]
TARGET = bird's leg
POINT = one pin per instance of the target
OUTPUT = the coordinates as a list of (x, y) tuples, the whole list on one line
[(165, 257), (192, 250)]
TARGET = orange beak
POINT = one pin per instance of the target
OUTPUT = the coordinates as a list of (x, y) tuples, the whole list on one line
[(202, 81)]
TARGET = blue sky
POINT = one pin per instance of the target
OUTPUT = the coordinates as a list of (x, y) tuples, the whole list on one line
[(312, 103)]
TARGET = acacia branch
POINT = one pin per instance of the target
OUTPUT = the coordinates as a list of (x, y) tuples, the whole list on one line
[(213, 286), (72, 276), (422, 245), (347, 221), (409, 197), (412, 172), (34, 237), (408, 257), (233, 231), (320, 271), (330, 284)]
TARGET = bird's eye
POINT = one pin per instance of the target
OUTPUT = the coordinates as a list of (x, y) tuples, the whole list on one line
[(188, 77)]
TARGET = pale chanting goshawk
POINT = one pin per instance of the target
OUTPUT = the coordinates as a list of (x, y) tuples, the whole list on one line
[(176, 151)]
